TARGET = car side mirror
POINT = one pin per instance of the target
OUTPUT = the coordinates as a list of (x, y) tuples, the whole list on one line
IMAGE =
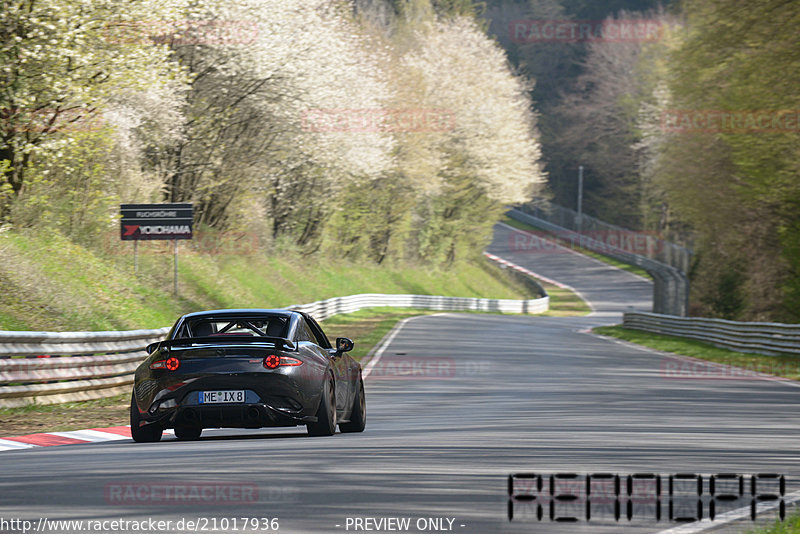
[(152, 347), (344, 344)]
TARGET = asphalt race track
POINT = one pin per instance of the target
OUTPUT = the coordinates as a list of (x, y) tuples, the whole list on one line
[(446, 426), (610, 291)]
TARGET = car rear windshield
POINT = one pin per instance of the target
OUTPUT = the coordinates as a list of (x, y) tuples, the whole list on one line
[(254, 326)]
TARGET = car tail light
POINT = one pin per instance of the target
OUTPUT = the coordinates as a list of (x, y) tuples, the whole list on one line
[(170, 363), (273, 361)]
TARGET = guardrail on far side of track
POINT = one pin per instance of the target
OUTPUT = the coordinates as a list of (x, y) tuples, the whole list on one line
[(759, 338), (54, 367)]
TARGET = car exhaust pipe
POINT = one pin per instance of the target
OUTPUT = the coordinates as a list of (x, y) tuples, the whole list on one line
[(253, 413)]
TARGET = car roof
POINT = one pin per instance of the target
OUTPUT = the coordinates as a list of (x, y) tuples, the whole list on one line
[(239, 312)]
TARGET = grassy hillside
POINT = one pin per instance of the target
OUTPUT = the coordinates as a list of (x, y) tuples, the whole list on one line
[(51, 283)]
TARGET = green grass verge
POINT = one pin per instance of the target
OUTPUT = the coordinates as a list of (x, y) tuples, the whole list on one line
[(564, 302), (605, 259), (50, 283), (783, 366), (791, 525)]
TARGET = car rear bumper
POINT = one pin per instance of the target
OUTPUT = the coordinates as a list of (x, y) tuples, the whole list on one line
[(254, 415), (236, 416), (270, 400)]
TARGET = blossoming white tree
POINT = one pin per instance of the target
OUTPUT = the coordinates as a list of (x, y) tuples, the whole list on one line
[(62, 69), (493, 126), (247, 127)]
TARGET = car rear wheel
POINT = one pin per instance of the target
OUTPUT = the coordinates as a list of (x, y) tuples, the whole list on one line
[(188, 433), (142, 434), (326, 413), (358, 416)]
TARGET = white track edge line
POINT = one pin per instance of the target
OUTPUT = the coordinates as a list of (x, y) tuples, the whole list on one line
[(97, 436), (385, 343), (93, 436), (10, 445), (727, 517)]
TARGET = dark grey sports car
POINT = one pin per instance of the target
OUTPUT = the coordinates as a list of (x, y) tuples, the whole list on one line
[(247, 369)]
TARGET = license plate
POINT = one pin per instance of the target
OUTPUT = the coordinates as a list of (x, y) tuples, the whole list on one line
[(219, 397)]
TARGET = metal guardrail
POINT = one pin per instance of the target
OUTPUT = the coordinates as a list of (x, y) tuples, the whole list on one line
[(759, 338), (52, 367), (642, 243), (325, 308), (69, 366), (670, 288)]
